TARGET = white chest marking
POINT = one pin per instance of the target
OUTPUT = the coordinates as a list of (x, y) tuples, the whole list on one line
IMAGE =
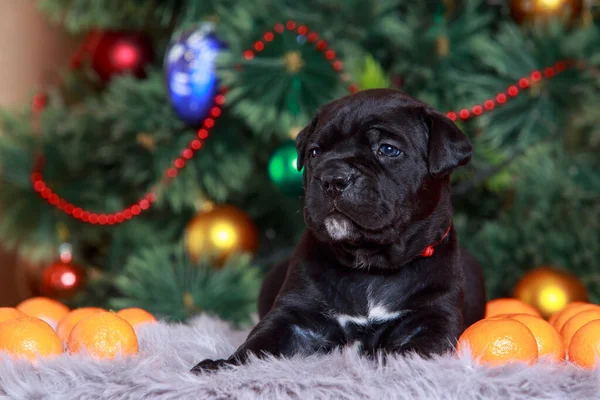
[(338, 228), (376, 314), (306, 334)]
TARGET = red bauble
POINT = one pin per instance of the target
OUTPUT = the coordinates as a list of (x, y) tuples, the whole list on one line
[(121, 52), (60, 279)]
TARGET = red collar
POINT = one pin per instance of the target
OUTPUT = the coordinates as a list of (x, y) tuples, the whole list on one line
[(428, 251)]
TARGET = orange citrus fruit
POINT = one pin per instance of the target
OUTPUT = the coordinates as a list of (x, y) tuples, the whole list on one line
[(554, 316), (577, 321), (103, 335), (568, 312), (549, 342), (136, 316), (71, 319), (7, 313), (498, 341), (504, 316), (29, 337), (508, 306), (44, 308), (584, 349)]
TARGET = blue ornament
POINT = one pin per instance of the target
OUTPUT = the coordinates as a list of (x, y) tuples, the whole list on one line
[(190, 71)]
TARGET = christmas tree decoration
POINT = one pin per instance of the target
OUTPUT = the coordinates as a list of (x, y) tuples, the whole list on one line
[(294, 68), (121, 167), (535, 10), (189, 66), (549, 290), (219, 233), (62, 279), (117, 53), (372, 75), (294, 131), (283, 169)]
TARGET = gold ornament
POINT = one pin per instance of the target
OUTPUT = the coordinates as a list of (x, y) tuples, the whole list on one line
[(536, 10), (294, 131), (293, 61), (146, 141), (550, 290), (219, 233), (443, 45)]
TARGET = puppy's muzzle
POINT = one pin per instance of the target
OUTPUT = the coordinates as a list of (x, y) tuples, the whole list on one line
[(334, 181)]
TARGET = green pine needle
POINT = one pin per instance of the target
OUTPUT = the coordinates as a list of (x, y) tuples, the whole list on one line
[(165, 282), (372, 75)]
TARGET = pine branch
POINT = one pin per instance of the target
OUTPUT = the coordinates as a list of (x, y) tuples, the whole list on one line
[(165, 282), (552, 219), (81, 15), (481, 175)]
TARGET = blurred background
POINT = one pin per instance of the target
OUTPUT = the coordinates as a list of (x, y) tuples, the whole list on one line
[(147, 151)]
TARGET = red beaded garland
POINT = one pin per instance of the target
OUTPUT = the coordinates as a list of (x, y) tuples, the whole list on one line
[(39, 102), (39, 185)]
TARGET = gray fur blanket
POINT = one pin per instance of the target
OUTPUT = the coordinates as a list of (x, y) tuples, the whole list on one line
[(167, 352)]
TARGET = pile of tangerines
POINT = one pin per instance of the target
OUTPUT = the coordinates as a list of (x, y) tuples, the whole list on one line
[(511, 331), (43, 327), (514, 331)]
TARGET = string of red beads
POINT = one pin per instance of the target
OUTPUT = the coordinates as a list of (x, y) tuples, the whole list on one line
[(311, 37), (511, 91), (40, 186), (39, 102)]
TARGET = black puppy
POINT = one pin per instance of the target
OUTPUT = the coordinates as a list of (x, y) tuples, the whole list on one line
[(379, 267)]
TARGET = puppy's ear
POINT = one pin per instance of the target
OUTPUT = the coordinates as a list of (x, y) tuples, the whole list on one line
[(301, 141), (448, 147)]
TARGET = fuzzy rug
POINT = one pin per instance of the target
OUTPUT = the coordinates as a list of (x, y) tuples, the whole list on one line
[(167, 352)]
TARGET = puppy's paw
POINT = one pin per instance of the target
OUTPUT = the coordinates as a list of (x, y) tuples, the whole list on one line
[(208, 366)]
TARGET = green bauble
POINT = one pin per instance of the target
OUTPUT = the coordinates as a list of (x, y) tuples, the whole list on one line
[(283, 169)]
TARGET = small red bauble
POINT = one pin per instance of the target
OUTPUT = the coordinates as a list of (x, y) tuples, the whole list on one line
[(60, 280), (121, 52)]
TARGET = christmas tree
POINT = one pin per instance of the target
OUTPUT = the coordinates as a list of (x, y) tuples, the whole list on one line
[(176, 122)]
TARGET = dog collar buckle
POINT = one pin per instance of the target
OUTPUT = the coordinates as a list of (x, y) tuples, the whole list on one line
[(428, 251)]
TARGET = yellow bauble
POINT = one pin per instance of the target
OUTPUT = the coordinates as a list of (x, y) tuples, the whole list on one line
[(220, 232), (536, 10), (549, 290)]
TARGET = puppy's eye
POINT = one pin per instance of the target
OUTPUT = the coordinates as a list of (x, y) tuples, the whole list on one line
[(388, 150), (315, 151)]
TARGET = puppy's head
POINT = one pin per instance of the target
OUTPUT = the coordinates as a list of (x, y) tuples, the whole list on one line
[(375, 162)]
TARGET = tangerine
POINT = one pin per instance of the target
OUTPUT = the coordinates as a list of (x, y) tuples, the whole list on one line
[(7, 313), (65, 326), (569, 312), (498, 341), (576, 322), (103, 335), (45, 309), (29, 337), (549, 341), (584, 349), (508, 306), (554, 316), (136, 316)]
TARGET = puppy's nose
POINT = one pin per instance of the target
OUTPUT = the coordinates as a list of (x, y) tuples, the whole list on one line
[(335, 182)]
